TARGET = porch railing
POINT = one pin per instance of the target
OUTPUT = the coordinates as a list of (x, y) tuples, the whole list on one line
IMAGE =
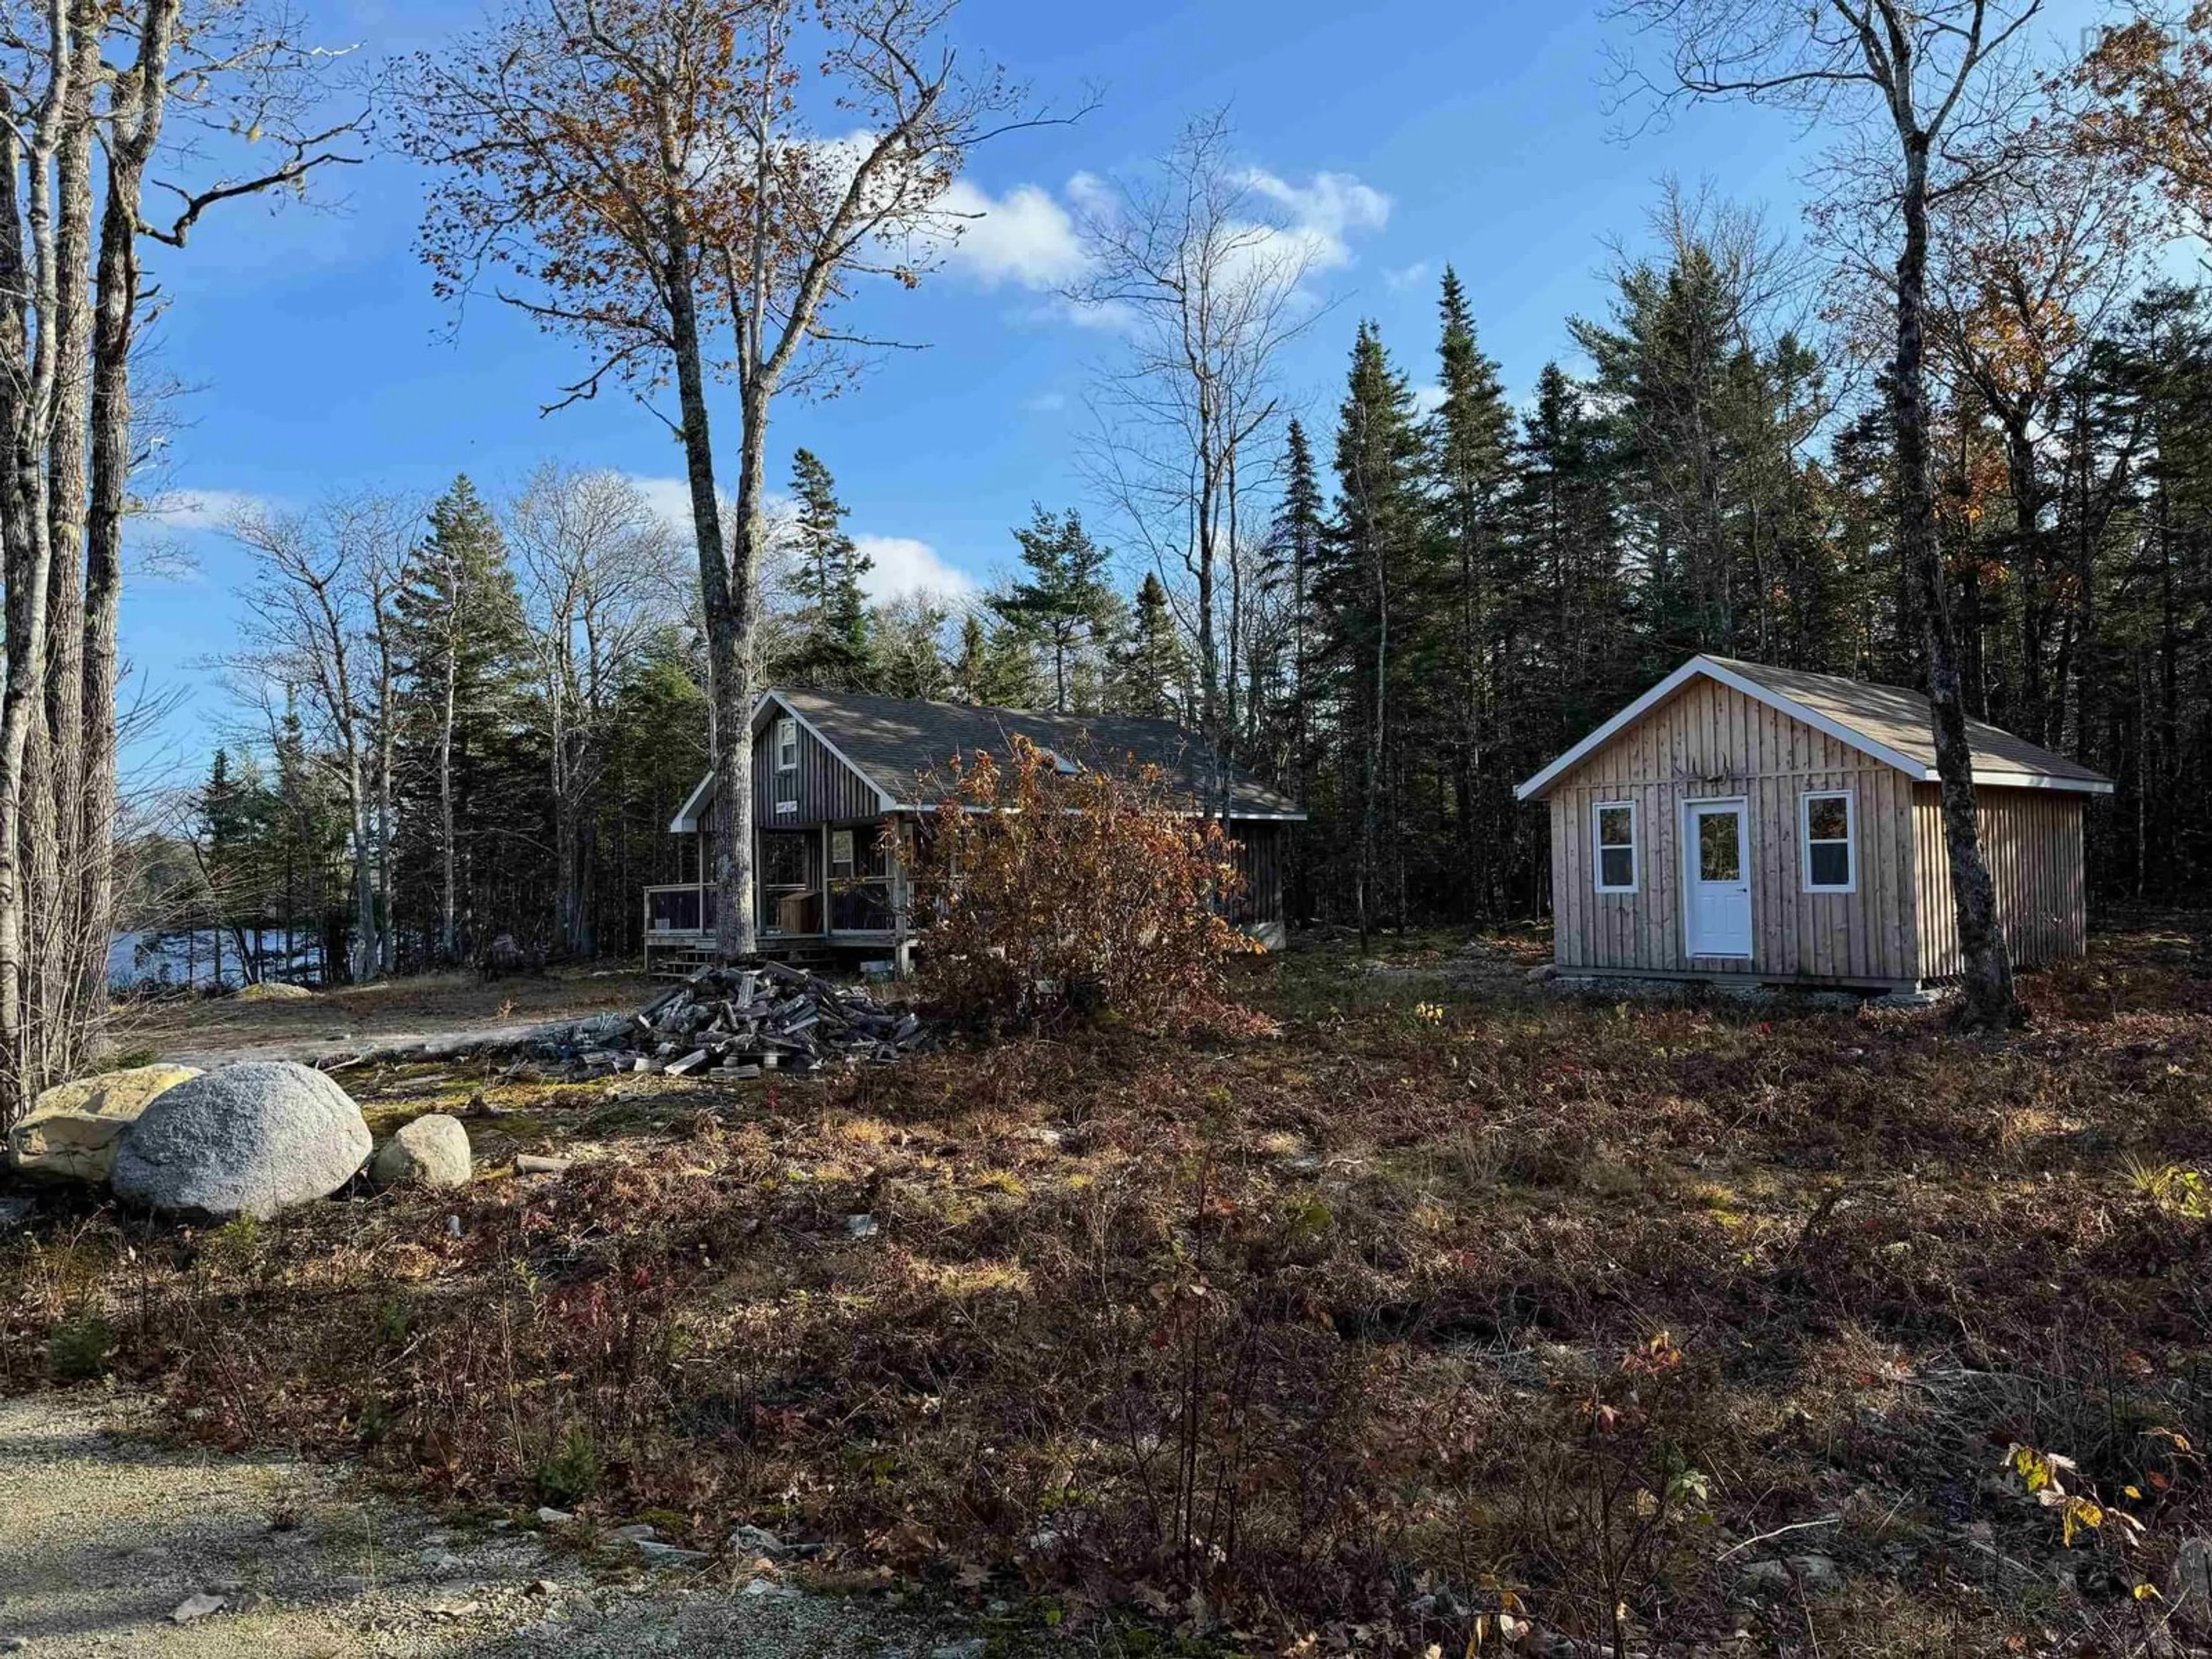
[(682, 908)]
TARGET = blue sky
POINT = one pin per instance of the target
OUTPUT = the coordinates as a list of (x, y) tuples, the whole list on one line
[(1408, 133)]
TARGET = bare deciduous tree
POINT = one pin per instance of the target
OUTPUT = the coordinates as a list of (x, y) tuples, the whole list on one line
[(1206, 282), (1931, 77), (656, 174), (595, 563), (213, 100), (321, 644)]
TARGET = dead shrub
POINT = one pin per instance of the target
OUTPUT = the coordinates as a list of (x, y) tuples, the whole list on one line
[(1057, 887)]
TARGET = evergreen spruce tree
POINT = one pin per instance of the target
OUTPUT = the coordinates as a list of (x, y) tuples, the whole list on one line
[(832, 648), (1377, 586), (1573, 659), (1292, 561), (1470, 459), (1152, 669), (1066, 607), (459, 625)]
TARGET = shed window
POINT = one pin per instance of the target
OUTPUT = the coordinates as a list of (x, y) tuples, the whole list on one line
[(786, 745), (1615, 840), (1827, 818)]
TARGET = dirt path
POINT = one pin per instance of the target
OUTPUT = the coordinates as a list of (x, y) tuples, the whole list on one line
[(106, 1538), (449, 1008)]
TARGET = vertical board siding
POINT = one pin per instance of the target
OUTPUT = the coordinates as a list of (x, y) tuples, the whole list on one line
[(2031, 841), (1708, 743), (1257, 849), (827, 790)]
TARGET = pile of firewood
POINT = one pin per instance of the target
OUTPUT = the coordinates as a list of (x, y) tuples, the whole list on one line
[(739, 1023)]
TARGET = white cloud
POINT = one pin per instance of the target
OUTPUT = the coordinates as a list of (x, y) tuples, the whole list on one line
[(903, 564), (671, 502), (1405, 276), (1028, 237), (203, 509), (1024, 237), (1427, 399), (1045, 403), (1324, 212), (669, 498)]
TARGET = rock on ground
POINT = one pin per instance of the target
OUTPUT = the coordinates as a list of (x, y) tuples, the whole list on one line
[(72, 1130), (104, 1537), (432, 1150), (273, 990), (246, 1140)]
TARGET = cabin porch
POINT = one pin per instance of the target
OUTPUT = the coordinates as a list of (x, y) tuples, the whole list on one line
[(822, 892)]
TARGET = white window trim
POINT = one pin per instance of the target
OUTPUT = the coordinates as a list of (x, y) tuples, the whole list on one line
[(786, 742), (1805, 801), (1635, 847)]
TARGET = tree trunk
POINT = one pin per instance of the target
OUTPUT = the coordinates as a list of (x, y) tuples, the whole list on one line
[(26, 408), (139, 101), (728, 613), (365, 954), (1989, 1002), (449, 925)]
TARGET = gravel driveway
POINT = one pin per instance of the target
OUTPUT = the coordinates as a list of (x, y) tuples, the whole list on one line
[(112, 1544)]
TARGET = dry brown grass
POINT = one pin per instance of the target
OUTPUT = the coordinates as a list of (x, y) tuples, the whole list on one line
[(1356, 1324), (424, 1002)]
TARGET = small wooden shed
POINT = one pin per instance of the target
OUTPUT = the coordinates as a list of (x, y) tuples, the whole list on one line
[(1739, 821)]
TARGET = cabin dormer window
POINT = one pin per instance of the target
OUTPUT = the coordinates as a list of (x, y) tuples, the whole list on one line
[(1613, 826), (786, 745), (1826, 818)]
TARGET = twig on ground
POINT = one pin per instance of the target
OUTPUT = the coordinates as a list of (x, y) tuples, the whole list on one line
[(1795, 1526)]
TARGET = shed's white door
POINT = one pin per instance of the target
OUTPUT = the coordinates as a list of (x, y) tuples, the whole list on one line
[(1716, 879)]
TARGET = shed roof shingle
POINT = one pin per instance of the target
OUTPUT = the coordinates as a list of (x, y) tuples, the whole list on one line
[(1889, 721), (897, 743), (1901, 719)]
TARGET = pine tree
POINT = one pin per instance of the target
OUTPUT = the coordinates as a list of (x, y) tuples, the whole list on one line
[(1565, 572), (1469, 445), (1375, 584), (1152, 670), (832, 648), (1292, 561), (1066, 606), (459, 624), (232, 848)]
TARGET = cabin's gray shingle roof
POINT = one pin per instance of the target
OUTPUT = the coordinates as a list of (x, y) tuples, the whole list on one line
[(899, 742), (1900, 720)]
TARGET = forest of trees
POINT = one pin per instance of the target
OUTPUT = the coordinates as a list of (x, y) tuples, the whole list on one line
[(471, 719), (1395, 597)]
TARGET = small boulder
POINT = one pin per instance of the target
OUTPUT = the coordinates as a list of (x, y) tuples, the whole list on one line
[(274, 990), (250, 1139), (193, 1608), (669, 1555), (432, 1150), (72, 1130)]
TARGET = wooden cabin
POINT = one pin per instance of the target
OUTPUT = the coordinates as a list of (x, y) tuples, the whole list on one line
[(1741, 822), (830, 768)]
